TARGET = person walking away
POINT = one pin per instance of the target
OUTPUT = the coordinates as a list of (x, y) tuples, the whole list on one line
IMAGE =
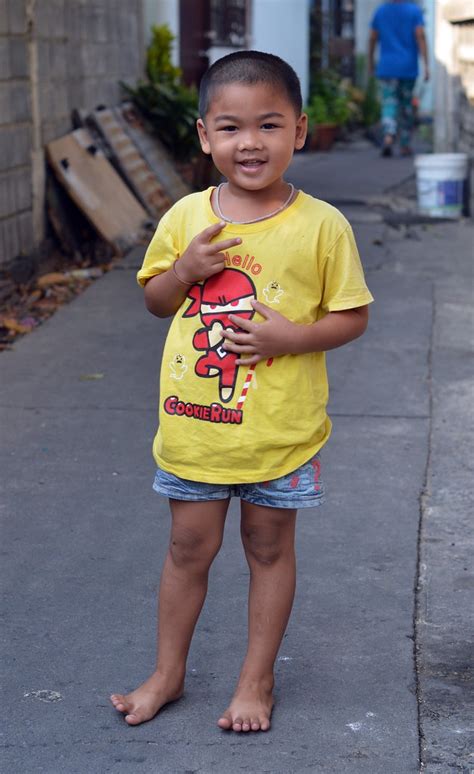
[(398, 28), (243, 387)]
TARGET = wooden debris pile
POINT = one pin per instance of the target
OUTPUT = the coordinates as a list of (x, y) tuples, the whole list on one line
[(110, 180), (117, 174)]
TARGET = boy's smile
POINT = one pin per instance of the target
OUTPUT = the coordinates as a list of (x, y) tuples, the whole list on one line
[(251, 131)]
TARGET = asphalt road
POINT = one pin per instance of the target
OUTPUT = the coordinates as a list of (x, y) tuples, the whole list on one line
[(380, 566)]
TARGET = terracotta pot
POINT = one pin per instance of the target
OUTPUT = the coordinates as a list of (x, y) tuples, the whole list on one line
[(323, 136)]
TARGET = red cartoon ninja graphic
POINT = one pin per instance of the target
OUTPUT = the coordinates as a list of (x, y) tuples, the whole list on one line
[(229, 292)]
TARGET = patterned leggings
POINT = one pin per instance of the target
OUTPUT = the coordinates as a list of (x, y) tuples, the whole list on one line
[(397, 108)]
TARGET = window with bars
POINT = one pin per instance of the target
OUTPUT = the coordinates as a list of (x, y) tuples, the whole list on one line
[(229, 23)]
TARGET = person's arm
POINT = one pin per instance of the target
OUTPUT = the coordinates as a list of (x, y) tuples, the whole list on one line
[(277, 335), (423, 49), (373, 38), (164, 293)]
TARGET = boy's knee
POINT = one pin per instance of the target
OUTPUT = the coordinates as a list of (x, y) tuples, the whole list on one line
[(261, 547), (188, 546)]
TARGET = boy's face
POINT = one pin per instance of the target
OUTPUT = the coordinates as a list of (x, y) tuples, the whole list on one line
[(251, 131)]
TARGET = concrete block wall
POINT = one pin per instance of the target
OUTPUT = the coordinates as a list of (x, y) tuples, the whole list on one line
[(15, 132), (55, 55)]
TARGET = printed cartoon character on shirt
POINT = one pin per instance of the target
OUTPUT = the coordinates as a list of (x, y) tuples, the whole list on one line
[(229, 292)]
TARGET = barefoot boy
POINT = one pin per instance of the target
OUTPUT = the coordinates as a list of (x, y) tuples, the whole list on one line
[(243, 383)]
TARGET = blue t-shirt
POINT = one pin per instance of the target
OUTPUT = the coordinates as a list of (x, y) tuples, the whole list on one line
[(395, 24)]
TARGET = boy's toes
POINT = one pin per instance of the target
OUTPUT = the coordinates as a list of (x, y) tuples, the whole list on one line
[(119, 702), (133, 719), (243, 723), (225, 721)]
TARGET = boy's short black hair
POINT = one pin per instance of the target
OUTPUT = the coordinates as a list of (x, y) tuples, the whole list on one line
[(250, 67)]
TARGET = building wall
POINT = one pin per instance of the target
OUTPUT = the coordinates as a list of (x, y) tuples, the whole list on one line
[(163, 12), (277, 26), (282, 28), (16, 227), (454, 118), (55, 55)]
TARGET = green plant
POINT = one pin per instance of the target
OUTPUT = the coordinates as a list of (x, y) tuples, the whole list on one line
[(316, 111), (172, 112), (159, 66), (370, 107), (170, 105), (330, 100), (339, 109)]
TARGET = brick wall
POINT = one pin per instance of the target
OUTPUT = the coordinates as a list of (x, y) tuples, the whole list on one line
[(55, 55)]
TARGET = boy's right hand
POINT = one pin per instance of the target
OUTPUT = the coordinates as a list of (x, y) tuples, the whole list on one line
[(203, 258)]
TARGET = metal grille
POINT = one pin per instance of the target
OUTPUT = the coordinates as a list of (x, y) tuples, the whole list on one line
[(228, 22)]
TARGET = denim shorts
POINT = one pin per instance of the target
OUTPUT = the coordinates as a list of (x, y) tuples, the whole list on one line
[(303, 488)]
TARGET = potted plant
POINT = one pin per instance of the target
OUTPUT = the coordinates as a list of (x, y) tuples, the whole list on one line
[(327, 110)]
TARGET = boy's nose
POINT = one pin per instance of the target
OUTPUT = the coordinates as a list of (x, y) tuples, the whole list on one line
[(250, 141)]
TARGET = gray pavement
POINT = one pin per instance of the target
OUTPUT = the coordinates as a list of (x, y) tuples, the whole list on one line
[(374, 669)]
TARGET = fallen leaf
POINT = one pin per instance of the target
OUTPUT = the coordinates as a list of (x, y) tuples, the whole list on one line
[(92, 273), (29, 322), (33, 297), (54, 278), (91, 377), (46, 304), (13, 325)]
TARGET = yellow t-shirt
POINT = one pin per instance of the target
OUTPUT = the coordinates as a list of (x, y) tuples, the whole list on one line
[(227, 424)]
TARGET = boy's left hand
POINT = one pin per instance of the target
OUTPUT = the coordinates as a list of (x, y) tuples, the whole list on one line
[(259, 341)]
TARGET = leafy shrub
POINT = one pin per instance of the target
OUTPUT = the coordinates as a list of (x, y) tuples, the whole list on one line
[(170, 105), (371, 104), (330, 101), (159, 66)]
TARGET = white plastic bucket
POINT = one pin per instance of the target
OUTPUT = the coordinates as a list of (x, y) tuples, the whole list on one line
[(440, 181)]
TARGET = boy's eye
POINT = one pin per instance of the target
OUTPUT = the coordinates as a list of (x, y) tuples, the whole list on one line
[(269, 126), (229, 128)]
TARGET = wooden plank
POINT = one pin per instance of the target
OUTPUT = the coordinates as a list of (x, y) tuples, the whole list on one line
[(60, 218), (97, 189), (131, 163), (152, 150)]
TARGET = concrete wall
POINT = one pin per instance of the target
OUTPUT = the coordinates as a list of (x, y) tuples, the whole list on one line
[(16, 227), (282, 28), (454, 118), (163, 12), (55, 55), (454, 106)]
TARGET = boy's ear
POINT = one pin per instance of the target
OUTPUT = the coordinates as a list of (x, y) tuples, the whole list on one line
[(301, 131), (202, 132)]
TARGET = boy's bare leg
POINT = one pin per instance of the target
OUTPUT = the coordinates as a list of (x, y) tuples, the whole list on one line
[(268, 539), (196, 536)]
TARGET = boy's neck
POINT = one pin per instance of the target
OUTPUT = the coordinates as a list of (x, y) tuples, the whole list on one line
[(239, 204)]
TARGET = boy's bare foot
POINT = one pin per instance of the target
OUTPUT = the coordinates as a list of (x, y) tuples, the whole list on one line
[(147, 700), (250, 708)]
